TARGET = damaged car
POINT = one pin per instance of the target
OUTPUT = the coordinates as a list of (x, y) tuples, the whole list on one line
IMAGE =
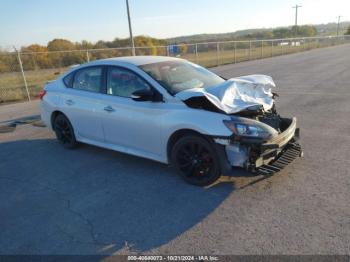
[(175, 112)]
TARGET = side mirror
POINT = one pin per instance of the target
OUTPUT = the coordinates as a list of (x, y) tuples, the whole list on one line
[(146, 95)]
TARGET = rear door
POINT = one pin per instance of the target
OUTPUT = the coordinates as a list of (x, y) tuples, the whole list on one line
[(83, 102), (135, 126)]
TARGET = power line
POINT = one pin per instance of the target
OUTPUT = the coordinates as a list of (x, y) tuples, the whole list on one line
[(130, 29)]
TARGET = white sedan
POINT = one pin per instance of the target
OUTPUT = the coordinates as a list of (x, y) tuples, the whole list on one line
[(172, 111)]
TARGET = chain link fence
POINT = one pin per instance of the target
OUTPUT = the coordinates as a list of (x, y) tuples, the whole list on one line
[(23, 75)]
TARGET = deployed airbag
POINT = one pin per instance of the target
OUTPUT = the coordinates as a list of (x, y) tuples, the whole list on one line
[(236, 94)]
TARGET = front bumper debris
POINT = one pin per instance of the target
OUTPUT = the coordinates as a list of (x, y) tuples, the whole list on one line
[(289, 153), (263, 158), (279, 152)]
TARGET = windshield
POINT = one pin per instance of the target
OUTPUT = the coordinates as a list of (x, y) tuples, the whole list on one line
[(177, 76)]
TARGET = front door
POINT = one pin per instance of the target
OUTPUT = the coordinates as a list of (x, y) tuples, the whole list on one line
[(135, 126)]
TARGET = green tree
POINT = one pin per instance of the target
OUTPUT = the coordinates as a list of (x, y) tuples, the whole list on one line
[(299, 31), (144, 41), (348, 31), (306, 31), (282, 33)]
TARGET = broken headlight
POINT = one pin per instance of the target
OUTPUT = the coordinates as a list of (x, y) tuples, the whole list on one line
[(247, 130)]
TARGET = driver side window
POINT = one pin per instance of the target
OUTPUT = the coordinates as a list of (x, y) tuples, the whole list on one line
[(122, 82)]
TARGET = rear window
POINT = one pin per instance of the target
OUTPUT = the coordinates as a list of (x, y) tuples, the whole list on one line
[(88, 79), (68, 80)]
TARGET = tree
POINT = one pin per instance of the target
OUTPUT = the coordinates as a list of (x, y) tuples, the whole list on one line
[(183, 49), (84, 45), (60, 45), (63, 59), (282, 33), (8, 61), (299, 31), (3, 67), (307, 30), (348, 31), (35, 57), (144, 41)]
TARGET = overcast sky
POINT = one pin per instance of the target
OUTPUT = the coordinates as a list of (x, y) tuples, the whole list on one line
[(23, 22)]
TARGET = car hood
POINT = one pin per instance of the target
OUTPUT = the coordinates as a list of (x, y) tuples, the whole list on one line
[(236, 94)]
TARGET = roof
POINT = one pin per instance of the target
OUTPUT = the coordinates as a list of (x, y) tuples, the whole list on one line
[(141, 60)]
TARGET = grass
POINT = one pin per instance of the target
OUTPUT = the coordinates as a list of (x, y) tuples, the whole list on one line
[(12, 85)]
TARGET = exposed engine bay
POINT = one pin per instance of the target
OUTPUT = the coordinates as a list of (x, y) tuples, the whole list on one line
[(250, 103), (247, 96)]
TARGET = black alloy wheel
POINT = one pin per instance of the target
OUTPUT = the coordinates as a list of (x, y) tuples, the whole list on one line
[(196, 160), (64, 132)]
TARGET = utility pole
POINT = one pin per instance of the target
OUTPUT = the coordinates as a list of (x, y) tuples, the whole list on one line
[(296, 18), (130, 29), (338, 27)]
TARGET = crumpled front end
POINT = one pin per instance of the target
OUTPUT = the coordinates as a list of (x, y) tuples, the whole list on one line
[(262, 141), (233, 96), (264, 157)]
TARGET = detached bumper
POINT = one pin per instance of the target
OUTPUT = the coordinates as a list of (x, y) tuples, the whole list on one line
[(289, 153), (280, 151), (264, 158)]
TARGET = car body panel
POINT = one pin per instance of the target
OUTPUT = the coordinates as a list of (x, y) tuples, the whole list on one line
[(137, 128)]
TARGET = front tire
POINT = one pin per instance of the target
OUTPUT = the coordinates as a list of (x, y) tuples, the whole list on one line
[(196, 160), (64, 132)]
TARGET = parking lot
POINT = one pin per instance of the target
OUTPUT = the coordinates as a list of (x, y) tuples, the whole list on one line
[(96, 201)]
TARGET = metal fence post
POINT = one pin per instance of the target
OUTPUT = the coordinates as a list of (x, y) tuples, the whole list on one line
[(282, 50), (262, 49), (272, 48), (290, 43), (218, 53), (196, 52), (234, 52), (23, 75), (250, 50), (87, 56)]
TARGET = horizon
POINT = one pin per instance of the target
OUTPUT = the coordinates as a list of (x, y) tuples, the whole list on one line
[(174, 37), (38, 22)]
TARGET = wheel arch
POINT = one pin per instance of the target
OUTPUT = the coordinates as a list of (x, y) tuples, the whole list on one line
[(179, 134), (54, 115), (220, 149)]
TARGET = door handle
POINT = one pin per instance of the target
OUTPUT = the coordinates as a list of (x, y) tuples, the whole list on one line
[(109, 109), (69, 102)]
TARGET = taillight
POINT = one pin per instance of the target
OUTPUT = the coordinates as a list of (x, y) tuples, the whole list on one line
[(42, 94)]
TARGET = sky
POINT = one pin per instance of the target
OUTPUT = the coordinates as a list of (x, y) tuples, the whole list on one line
[(23, 22)]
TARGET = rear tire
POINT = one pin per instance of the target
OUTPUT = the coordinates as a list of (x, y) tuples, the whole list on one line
[(196, 160), (64, 132)]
